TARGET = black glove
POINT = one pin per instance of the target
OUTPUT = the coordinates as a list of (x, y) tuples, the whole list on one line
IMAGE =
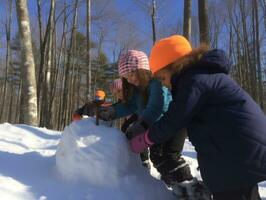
[(87, 109), (133, 118), (107, 113), (136, 128)]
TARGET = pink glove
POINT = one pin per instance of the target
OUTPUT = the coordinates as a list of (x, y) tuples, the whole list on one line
[(140, 143)]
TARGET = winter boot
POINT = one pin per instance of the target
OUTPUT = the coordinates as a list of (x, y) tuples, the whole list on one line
[(191, 190), (145, 159), (146, 164), (180, 191), (180, 173)]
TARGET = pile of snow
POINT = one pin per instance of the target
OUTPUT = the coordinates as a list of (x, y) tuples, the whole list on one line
[(85, 162), (27, 169), (100, 156)]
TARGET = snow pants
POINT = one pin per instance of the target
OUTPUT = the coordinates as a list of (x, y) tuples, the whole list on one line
[(167, 159)]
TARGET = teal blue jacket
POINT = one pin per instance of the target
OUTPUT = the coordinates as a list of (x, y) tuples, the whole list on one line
[(158, 100)]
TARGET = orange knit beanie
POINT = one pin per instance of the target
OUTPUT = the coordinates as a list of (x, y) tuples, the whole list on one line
[(100, 95), (168, 50)]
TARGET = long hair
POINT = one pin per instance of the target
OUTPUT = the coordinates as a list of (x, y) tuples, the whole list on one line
[(193, 57), (144, 77)]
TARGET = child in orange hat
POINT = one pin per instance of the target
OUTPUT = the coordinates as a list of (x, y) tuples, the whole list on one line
[(89, 108), (226, 126)]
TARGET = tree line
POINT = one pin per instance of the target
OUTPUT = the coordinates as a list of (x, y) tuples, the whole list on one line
[(54, 62)]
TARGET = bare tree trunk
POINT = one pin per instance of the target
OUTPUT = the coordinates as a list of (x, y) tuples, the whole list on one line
[(187, 19), (150, 7), (28, 109), (63, 47), (8, 61), (45, 112), (88, 47), (230, 41), (88, 59), (250, 71), (203, 22), (252, 50), (17, 112), (66, 87), (54, 79), (263, 6), (41, 73), (258, 53), (42, 52), (72, 78), (98, 52), (153, 17), (40, 22), (61, 112), (50, 47)]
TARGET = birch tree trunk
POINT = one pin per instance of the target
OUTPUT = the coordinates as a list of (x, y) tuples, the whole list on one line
[(28, 106)]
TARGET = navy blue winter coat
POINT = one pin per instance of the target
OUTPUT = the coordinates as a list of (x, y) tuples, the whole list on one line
[(226, 126)]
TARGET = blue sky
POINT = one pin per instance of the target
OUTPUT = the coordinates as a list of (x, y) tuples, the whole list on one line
[(169, 16), (169, 12)]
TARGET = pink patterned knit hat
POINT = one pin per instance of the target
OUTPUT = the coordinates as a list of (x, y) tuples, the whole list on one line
[(131, 61)]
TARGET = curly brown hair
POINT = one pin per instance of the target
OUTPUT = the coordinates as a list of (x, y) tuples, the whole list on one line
[(144, 77), (183, 63)]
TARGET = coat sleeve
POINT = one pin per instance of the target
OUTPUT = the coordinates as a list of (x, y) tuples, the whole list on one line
[(123, 110), (86, 109), (155, 105), (187, 102)]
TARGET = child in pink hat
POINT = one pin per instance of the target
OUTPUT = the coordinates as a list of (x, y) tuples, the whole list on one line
[(146, 97)]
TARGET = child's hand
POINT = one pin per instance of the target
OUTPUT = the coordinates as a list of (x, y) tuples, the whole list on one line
[(107, 113), (135, 129), (140, 143), (76, 117)]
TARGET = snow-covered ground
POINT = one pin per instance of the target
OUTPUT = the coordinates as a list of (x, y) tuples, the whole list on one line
[(88, 163)]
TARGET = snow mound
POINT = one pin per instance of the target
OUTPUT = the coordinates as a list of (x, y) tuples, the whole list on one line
[(28, 163), (100, 156)]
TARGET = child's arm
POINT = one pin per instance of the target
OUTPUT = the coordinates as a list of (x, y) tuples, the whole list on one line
[(189, 98), (155, 104), (152, 112), (79, 111), (86, 109), (123, 110), (77, 115)]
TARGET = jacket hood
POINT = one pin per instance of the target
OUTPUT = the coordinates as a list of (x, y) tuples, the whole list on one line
[(212, 62), (216, 61)]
